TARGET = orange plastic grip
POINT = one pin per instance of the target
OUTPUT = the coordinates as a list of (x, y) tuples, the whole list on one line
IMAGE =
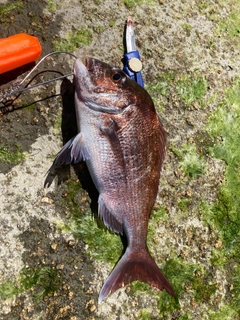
[(18, 50)]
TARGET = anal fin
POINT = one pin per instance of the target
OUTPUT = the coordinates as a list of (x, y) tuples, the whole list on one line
[(110, 220)]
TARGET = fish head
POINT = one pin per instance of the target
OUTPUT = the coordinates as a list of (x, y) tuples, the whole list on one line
[(104, 88)]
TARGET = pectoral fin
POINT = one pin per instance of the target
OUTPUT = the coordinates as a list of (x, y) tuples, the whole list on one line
[(74, 150), (79, 151)]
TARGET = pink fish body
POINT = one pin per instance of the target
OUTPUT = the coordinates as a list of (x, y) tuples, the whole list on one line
[(123, 143)]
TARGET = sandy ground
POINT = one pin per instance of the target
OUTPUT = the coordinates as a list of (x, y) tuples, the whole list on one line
[(173, 37)]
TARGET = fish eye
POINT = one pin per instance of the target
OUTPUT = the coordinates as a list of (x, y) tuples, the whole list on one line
[(116, 77)]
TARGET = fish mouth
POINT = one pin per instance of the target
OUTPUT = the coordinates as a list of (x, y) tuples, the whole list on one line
[(100, 108), (83, 66)]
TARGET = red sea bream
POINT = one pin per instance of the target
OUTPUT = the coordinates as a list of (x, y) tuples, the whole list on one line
[(123, 143)]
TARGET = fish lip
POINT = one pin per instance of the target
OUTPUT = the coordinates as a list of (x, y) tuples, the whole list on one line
[(79, 67)]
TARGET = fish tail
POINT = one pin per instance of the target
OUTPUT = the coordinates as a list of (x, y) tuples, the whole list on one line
[(135, 266)]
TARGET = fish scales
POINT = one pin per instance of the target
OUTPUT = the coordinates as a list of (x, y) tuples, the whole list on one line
[(123, 143)]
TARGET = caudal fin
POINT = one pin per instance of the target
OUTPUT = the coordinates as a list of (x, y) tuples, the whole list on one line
[(135, 266)]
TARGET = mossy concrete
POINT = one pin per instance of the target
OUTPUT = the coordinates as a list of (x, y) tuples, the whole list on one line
[(190, 55)]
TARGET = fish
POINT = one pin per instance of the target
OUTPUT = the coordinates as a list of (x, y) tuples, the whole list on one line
[(123, 142)]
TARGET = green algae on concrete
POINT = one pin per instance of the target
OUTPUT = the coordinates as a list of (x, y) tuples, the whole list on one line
[(231, 25), (9, 7), (157, 216), (133, 3), (161, 84), (224, 215), (191, 88), (51, 6), (42, 280), (224, 127), (191, 162), (57, 125), (11, 153), (187, 28), (185, 317), (144, 314), (160, 88), (74, 40)]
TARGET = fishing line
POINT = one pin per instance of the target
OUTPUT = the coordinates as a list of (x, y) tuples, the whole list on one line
[(15, 89)]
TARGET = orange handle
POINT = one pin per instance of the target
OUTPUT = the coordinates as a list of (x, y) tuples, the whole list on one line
[(18, 50)]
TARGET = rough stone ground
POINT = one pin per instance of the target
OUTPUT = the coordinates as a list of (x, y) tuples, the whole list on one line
[(172, 36)]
